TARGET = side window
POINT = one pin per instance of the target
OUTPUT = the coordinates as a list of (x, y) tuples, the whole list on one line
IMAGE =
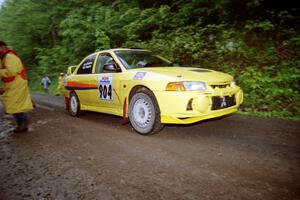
[(87, 66), (103, 59)]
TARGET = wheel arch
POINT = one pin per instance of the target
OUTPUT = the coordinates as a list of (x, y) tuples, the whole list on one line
[(71, 92), (137, 88)]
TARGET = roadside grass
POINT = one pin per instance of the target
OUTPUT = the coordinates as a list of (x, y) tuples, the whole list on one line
[(274, 114)]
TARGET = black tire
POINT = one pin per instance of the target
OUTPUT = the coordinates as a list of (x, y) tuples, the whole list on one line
[(144, 113), (74, 105)]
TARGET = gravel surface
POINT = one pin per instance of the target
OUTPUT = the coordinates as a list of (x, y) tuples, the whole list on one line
[(95, 157)]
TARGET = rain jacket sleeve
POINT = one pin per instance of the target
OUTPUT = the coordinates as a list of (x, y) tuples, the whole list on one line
[(14, 66)]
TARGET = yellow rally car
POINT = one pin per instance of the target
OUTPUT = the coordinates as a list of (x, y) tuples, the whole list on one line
[(149, 90)]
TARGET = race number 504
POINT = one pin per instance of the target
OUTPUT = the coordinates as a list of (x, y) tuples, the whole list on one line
[(105, 88)]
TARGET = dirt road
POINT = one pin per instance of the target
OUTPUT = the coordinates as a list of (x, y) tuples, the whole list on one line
[(95, 157)]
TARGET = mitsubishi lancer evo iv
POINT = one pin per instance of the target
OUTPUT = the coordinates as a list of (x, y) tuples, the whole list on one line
[(148, 90)]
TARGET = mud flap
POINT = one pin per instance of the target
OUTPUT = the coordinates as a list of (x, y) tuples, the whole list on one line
[(67, 101), (125, 119)]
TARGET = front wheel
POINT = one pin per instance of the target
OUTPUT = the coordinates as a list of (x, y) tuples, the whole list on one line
[(74, 105), (144, 114)]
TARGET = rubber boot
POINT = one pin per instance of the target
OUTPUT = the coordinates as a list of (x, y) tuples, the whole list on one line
[(22, 127)]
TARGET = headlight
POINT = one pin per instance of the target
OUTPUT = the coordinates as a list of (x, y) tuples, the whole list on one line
[(186, 86)]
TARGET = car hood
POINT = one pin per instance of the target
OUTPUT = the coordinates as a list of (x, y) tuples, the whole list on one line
[(185, 74)]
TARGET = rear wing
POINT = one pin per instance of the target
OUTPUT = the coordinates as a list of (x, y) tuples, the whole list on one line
[(71, 69)]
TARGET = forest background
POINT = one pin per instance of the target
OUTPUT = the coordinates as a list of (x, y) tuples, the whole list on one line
[(256, 41)]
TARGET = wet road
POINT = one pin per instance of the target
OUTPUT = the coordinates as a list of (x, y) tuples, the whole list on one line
[(95, 157)]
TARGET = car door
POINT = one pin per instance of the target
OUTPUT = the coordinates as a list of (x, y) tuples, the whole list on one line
[(81, 81), (107, 96)]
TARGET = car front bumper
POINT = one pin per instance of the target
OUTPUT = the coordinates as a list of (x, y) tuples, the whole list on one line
[(193, 106)]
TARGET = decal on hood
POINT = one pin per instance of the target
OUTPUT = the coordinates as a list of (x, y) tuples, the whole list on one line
[(139, 75)]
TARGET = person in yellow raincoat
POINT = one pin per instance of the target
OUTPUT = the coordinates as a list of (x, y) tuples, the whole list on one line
[(60, 85), (16, 97)]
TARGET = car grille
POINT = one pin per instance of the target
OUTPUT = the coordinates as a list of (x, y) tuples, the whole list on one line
[(222, 102), (220, 86)]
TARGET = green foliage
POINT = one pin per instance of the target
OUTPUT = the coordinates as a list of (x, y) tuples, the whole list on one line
[(271, 90), (258, 42)]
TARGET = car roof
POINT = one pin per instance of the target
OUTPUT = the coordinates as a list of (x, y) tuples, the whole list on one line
[(121, 49)]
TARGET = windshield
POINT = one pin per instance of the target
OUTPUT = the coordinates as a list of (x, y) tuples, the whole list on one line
[(132, 59)]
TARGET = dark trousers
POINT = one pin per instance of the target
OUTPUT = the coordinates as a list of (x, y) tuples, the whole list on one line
[(21, 117)]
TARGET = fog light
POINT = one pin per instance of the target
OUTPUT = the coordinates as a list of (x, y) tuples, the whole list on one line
[(202, 103)]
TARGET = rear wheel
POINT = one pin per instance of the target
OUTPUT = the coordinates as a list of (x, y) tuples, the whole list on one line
[(74, 105), (144, 113)]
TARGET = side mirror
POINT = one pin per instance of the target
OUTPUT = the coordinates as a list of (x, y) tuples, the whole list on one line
[(110, 67)]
